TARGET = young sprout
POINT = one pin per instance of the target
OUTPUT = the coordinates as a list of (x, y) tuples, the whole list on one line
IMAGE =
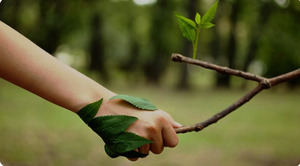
[(191, 29)]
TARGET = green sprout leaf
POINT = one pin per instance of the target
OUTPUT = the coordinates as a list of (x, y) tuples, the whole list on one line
[(207, 25), (191, 30), (210, 14), (198, 19), (137, 102), (187, 27)]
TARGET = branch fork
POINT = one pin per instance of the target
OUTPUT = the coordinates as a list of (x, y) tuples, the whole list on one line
[(263, 83)]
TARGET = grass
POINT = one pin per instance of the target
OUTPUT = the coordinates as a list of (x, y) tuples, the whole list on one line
[(263, 132)]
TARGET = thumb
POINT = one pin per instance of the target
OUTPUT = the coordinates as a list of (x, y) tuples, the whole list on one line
[(176, 124)]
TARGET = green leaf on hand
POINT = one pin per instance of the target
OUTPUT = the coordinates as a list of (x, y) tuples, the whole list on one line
[(210, 14), (187, 27), (110, 153), (109, 126), (130, 154), (134, 154), (88, 112), (198, 18), (126, 142), (112, 129), (137, 102)]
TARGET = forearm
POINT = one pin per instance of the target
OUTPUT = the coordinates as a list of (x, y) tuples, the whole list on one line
[(28, 66)]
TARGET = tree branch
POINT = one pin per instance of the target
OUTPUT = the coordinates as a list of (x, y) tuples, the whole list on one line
[(264, 83), (220, 69)]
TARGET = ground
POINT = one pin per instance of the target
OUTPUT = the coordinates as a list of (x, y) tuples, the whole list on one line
[(263, 132)]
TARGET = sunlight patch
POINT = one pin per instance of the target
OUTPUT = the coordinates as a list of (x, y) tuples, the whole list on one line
[(144, 2)]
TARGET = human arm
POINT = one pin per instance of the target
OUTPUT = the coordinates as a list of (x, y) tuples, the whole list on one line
[(28, 66)]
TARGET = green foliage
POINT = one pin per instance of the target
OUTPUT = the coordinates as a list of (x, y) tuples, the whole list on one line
[(210, 14), (111, 125), (207, 25), (191, 29), (187, 27), (126, 142), (198, 19), (137, 102), (112, 129), (89, 112)]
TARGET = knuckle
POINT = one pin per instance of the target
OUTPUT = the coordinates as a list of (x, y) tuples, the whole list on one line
[(158, 150), (151, 129), (173, 143), (161, 119)]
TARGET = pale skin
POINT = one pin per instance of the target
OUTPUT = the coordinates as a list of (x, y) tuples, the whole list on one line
[(25, 64)]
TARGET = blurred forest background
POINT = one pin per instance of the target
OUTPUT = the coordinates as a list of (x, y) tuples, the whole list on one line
[(134, 39), (126, 45)]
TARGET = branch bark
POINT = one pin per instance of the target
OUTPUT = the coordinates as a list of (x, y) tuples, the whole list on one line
[(263, 83)]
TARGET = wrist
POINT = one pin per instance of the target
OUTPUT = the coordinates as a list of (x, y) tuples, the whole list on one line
[(115, 107), (93, 94)]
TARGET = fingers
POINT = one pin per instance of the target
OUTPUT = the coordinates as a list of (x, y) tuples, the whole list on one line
[(169, 136), (144, 149), (132, 159), (175, 124), (157, 145), (166, 136), (157, 126)]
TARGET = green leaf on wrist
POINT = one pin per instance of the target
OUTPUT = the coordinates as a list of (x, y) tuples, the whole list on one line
[(88, 112), (137, 102)]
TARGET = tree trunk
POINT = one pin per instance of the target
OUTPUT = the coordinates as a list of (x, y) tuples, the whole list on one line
[(224, 80), (264, 14), (156, 64), (13, 19), (51, 25), (131, 63), (96, 48)]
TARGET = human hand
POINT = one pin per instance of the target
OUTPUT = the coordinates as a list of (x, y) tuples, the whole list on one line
[(157, 126)]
